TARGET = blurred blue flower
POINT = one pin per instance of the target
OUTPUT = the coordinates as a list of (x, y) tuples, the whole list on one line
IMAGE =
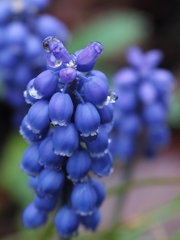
[(140, 119)]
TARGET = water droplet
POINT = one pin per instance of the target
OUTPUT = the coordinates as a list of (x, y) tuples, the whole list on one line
[(48, 40), (111, 98), (72, 63), (34, 93), (97, 46), (52, 61)]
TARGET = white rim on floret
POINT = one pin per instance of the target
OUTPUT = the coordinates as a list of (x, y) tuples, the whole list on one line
[(34, 93), (99, 154), (34, 130), (63, 153), (59, 123), (90, 133), (82, 180)]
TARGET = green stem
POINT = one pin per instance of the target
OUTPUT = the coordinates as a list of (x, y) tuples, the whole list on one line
[(120, 199)]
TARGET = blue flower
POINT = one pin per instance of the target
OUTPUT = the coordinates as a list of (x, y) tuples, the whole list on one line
[(69, 121), (29, 163), (32, 217), (84, 198), (65, 140), (87, 119), (60, 109), (66, 222), (47, 157), (50, 182), (91, 221), (78, 165), (144, 93)]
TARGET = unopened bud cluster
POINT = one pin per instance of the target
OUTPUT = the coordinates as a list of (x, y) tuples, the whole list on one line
[(68, 127), (22, 30), (144, 94)]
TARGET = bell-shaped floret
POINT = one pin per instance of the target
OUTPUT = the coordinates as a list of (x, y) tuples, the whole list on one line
[(60, 109), (135, 56), (152, 58), (39, 4), (65, 140), (59, 51), (5, 11), (32, 217), (33, 50), (96, 90), (29, 163), (154, 113), (46, 83), (124, 147), (30, 94), (99, 146), (92, 221), (78, 165), (22, 75), (66, 222), (84, 198), (47, 157), (45, 204), (8, 59), (127, 101), (28, 135), (162, 79), (130, 125), (67, 75), (102, 166), (158, 135), (147, 92), (50, 182), (16, 33), (98, 74), (87, 119), (126, 78), (106, 113), (86, 59), (100, 191), (48, 25), (38, 116)]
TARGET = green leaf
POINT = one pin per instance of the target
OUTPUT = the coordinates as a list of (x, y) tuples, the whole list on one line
[(12, 178), (116, 30)]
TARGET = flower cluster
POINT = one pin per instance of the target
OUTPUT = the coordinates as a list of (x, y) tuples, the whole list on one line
[(22, 31), (144, 93), (68, 126)]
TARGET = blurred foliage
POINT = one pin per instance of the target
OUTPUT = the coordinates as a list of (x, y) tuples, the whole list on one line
[(116, 30), (174, 114), (12, 178)]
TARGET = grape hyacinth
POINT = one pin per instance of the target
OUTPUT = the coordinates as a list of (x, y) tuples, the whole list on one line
[(22, 28), (140, 116), (68, 127)]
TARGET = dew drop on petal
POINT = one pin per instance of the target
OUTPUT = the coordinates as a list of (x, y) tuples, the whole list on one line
[(34, 93), (72, 63), (52, 61), (47, 41), (112, 97)]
